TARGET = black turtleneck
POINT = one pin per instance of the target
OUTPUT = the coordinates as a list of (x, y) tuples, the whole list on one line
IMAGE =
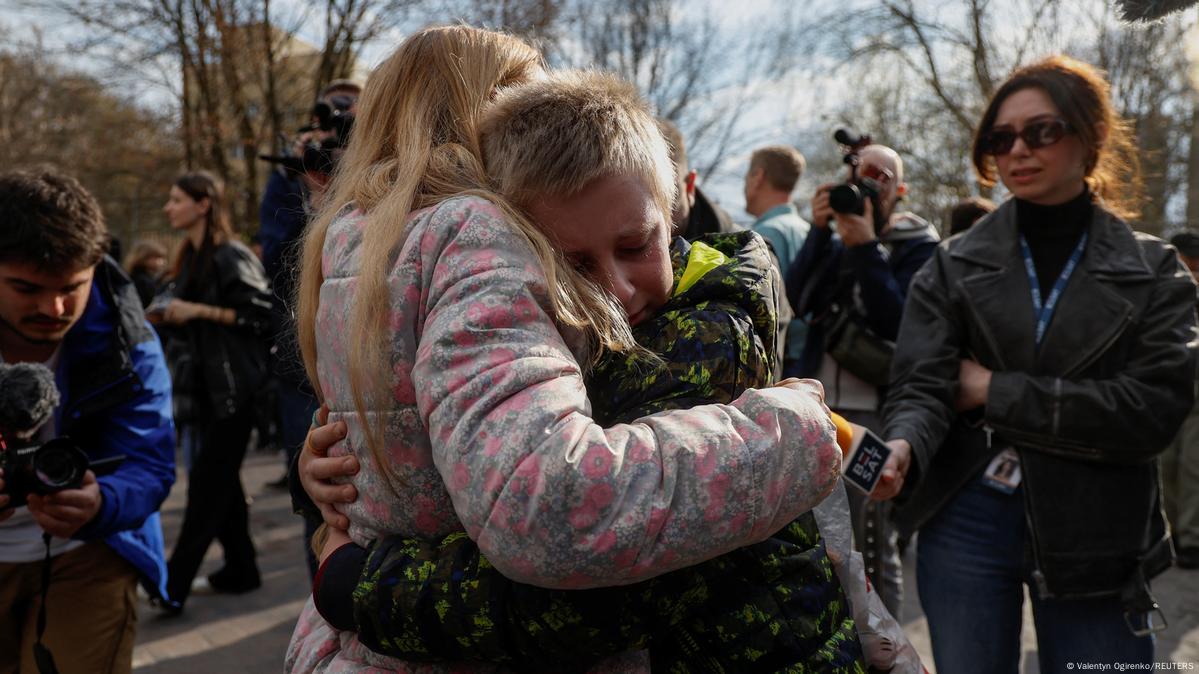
[(1052, 232)]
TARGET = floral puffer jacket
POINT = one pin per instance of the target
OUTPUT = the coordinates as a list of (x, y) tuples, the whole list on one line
[(489, 430)]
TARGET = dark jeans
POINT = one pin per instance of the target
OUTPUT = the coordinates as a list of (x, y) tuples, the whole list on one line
[(216, 508), (971, 569), (296, 408)]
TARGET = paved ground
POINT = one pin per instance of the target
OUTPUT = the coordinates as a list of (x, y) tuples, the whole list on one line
[(248, 633)]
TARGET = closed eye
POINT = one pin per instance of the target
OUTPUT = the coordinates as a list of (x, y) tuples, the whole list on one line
[(23, 288), (580, 263), (636, 245)]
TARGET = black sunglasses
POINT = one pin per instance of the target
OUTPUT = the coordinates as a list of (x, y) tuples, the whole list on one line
[(998, 142)]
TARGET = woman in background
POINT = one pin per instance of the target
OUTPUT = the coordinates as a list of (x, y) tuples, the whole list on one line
[(221, 305)]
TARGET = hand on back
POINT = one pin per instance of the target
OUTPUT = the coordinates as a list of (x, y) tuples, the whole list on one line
[(317, 470)]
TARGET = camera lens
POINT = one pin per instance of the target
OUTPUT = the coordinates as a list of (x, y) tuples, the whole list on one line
[(59, 465), (846, 198)]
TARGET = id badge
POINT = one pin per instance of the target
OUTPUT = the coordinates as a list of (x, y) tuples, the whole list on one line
[(1003, 473)]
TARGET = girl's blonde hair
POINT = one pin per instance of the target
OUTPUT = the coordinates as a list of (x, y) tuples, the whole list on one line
[(415, 144)]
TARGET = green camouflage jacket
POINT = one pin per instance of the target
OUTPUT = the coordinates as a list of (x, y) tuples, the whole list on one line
[(772, 606)]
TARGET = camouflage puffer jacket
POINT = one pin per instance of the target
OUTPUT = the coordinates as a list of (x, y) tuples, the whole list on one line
[(775, 606)]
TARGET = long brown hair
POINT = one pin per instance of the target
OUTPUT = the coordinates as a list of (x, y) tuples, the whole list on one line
[(415, 144), (1083, 97), (201, 185)]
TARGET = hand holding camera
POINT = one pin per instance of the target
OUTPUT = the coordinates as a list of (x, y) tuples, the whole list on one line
[(54, 477), (64, 512), (855, 229), (315, 151)]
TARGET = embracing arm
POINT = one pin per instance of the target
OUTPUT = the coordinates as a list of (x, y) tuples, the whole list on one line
[(553, 499), (709, 354)]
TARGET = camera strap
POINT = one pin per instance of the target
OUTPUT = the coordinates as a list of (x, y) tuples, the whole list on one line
[(41, 654)]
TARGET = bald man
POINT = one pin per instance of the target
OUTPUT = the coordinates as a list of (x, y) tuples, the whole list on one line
[(849, 282)]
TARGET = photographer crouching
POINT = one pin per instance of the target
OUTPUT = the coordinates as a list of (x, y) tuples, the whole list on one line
[(849, 284), (71, 558)]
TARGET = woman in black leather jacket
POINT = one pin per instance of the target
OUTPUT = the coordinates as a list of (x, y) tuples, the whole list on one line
[(221, 309), (1045, 358)]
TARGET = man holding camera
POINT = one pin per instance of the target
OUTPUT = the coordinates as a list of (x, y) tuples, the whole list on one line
[(850, 285), (64, 304)]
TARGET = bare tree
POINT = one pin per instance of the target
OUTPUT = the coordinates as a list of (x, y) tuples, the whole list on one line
[(538, 21), (125, 155), (697, 71), (349, 26), (1149, 85), (234, 68), (957, 58)]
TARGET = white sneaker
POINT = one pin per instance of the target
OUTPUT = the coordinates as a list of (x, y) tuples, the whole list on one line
[(201, 586)]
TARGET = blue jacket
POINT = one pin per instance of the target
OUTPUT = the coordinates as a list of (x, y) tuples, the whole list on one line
[(116, 399)]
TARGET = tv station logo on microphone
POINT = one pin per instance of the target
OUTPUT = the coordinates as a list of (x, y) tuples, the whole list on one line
[(864, 467)]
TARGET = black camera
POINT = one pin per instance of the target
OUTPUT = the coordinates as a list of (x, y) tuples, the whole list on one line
[(334, 118), (333, 115), (42, 469), (851, 196)]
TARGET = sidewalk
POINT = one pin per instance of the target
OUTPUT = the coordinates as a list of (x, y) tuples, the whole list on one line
[(249, 633), (233, 633)]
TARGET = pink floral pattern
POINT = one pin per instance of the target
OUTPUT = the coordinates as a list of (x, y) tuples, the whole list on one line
[(488, 430)]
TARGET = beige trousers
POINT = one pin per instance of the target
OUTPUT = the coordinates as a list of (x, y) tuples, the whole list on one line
[(91, 612)]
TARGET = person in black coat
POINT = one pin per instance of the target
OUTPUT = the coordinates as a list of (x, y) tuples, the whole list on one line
[(1045, 359), (221, 312)]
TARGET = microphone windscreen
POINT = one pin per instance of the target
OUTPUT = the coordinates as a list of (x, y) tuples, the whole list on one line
[(28, 396)]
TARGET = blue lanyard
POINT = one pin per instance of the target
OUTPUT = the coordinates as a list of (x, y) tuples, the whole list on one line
[(1044, 312)]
